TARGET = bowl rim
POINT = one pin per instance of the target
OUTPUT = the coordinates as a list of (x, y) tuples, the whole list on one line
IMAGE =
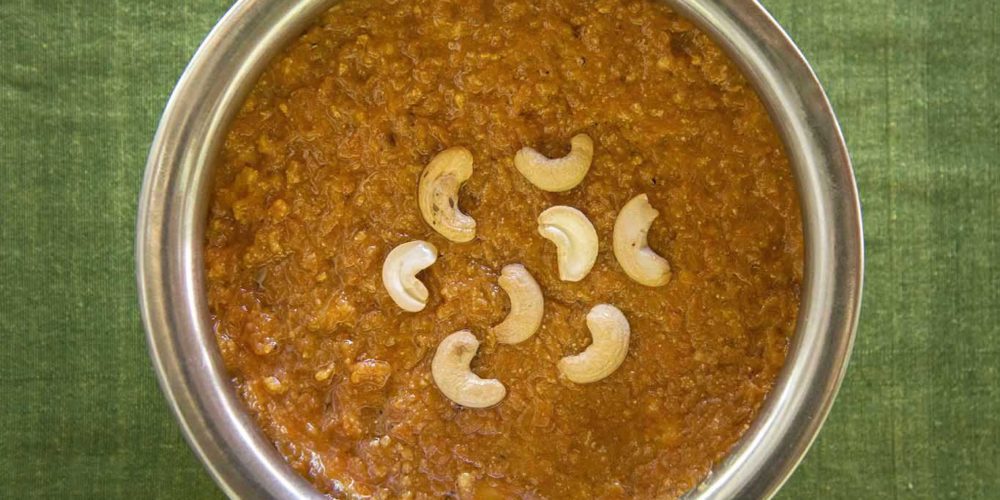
[(173, 203)]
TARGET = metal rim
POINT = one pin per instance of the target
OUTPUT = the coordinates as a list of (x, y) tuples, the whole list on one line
[(173, 204)]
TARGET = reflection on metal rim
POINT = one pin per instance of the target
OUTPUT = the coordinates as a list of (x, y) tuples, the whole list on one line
[(173, 208)]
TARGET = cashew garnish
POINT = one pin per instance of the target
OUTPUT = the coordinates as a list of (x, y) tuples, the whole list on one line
[(526, 305), (557, 174), (399, 273), (452, 375), (631, 248), (610, 332), (575, 240), (438, 194)]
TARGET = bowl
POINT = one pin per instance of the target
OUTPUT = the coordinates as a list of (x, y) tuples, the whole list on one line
[(173, 212)]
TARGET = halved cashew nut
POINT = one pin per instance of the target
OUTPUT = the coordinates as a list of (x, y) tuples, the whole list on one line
[(454, 378), (526, 305), (631, 248), (438, 194), (557, 174), (399, 273), (575, 240), (610, 332)]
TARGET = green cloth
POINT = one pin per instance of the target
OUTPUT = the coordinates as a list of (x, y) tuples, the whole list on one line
[(915, 84)]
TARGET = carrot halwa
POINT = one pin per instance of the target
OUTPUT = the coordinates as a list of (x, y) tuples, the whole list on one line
[(317, 182)]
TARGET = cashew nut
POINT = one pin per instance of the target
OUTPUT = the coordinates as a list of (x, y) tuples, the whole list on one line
[(610, 332), (557, 174), (631, 248), (438, 194), (399, 274), (454, 378), (526, 305), (575, 240)]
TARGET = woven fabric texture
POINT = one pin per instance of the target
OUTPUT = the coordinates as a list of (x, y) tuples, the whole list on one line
[(915, 85)]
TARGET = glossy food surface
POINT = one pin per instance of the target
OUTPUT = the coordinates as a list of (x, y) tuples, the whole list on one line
[(317, 182)]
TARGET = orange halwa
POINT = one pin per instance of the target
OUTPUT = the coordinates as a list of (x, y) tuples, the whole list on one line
[(317, 182)]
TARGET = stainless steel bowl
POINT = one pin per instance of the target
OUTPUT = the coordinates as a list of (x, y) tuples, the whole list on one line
[(173, 212)]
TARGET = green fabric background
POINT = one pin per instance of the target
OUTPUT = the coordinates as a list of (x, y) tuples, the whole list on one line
[(915, 84)]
